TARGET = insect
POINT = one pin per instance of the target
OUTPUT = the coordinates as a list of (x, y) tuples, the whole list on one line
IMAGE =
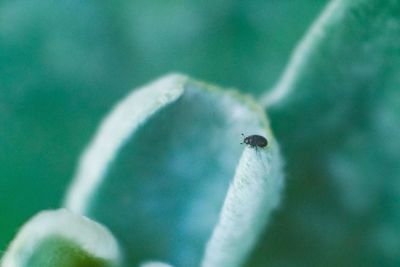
[(255, 141)]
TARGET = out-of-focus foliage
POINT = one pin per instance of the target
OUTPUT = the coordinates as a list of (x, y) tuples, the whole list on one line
[(338, 127), (337, 119), (63, 64), (63, 239)]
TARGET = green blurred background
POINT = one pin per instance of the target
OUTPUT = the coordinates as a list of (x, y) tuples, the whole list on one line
[(63, 64)]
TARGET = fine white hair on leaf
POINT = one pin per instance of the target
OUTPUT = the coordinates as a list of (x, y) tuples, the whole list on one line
[(115, 129), (254, 192), (88, 235), (302, 52)]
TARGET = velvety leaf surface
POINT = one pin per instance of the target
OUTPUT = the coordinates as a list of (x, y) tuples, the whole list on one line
[(254, 192), (158, 170), (339, 123)]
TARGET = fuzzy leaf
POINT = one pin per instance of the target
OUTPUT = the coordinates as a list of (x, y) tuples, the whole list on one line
[(62, 239), (155, 264), (159, 167), (336, 111), (253, 194)]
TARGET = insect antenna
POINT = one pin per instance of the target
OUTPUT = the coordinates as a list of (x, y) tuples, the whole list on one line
[(242, 141)]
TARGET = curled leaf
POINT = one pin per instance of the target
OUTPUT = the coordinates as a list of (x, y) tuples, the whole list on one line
[(341, 90), (159, 167), (63, 239), (254, 193)]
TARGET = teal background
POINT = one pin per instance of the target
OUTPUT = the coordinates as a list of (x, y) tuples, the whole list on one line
[(64, 64)]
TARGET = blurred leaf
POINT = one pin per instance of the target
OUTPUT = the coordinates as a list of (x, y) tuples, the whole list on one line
[(155, 264), (158, 169), (60, 238), (339, 121)]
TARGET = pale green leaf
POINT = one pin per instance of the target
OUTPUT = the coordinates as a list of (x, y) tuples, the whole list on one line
[(159, 167), (63, 239), (336, 111), (253, 194)]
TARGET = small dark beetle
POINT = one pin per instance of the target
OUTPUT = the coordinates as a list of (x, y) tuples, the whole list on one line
[(255, 141)]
